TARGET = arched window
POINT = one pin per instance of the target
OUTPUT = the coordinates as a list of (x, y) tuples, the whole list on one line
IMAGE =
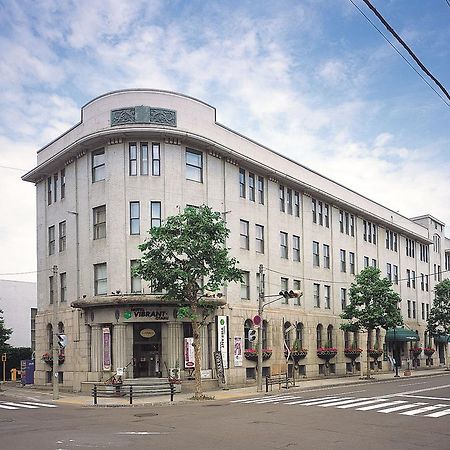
[(346, 339), (248, 325), (436, 243), (60, 328), (330, 336), (50, 336), (287, 334), (355, 339), (264, 334), (425, 339), (319, 331), (299, 335)]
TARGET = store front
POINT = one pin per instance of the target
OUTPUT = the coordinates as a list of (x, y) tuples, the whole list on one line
[(147, 350)]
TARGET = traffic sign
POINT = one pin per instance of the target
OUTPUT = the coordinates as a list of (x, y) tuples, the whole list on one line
[(257, 320)]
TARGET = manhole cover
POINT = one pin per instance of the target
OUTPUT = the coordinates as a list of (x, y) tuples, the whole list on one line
[(152, 414)]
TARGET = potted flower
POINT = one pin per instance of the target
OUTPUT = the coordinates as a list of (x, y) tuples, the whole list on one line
[(48, 358), (415, 352), (374, 353), (428, 351), (326, 353), (352, 352), (296, 352), (252, 354)]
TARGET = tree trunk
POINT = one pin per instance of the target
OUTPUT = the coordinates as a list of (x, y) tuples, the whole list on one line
[(369, 333), (197, 354)]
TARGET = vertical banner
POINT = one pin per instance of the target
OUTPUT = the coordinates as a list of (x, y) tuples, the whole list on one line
[(106, 348), (237, 351), (222, 338), (189, 357)]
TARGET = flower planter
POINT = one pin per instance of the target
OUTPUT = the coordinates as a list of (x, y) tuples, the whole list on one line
[(252, 355), (326, 353), (352, 353), (49, 359), (415, 352), (375, 354), (296, 355), (428, 352)]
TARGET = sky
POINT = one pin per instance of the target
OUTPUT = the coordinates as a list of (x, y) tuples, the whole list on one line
[(311, 79)]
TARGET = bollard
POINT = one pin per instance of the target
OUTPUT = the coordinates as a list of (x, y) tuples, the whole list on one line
[(95, 394)]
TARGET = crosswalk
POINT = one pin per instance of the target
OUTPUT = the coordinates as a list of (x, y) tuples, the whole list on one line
[(25, 405), (377, 404)]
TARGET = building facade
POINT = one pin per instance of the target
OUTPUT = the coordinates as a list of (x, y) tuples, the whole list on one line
[(139, 156)]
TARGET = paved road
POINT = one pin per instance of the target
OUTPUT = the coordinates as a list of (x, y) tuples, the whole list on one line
[(395, 414)]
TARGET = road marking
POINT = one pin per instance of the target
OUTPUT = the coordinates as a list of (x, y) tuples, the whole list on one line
[(400, 408), (380, 405), (311, 400), (439, 413), (421, 410), (7, 407), (276, 398), (21, 405), (400, 394), (323, 402), (345, 402), (446, 399), (46, 405), (367, 402), (141, 433)]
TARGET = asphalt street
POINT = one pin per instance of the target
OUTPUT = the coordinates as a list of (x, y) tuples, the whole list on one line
[(405, 413)]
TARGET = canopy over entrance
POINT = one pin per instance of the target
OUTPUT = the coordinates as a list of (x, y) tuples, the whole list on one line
[(401, 335), (441, 338)]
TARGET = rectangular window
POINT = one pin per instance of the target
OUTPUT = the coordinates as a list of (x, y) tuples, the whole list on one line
[(155, 214), (316, 295), (409, 309), (296, 204), (343, 298), (413, 279), (366, 261), (408, 278), (426, 282), (282, 200), (341, 221), (135, 218), (251, 187), (297, 286), (343, 261), (395, 274), (320, 213), (144, 158), (244, 234), (99, 222), (136, 281), (284, 284), (314, 210), (422, 282), (98, 165), (100, 279), (413, 310), (327, 297), (62, 236), (245, 285), (51, 290), (242, 183), (351, 258), (391, 240), (296, 248), (132, 159), (49, 191), (261, 190), (374, 263), (63, 183), (389, 271), (55, 187), (62, 287), (259, 235), (326, 215), (289, 201), (194, 165), (428, 311), (316, 256), (326, 256), (51, 240), (283, 244), (156, 159), (423, 311), (352, 225)]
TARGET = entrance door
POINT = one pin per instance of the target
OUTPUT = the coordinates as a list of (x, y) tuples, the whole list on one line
[(147, 350)]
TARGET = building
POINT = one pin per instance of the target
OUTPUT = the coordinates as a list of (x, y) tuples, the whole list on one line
[(138, 156)]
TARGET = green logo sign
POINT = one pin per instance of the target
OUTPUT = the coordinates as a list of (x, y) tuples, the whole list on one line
[(222, 322), (127, 314)]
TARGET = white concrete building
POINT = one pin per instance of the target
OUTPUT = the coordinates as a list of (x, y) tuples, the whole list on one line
[(138, 156)]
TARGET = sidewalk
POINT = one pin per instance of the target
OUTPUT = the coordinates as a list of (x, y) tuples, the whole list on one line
[(81, 399)]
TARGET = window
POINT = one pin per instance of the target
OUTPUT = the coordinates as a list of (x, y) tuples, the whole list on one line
[(326, 256), (251, 187), (242, 183), (395, 274), (422, 282), (259, 234), (49, 191), (284, 285), (283, 244), (316, 262), (287, 328), (132, 159), (428, 311), (343, 298), (423, 311), (409, 309), (423, 252), (319, 331), (156, 159), (296, 286), (316, 295), (326, 209), (144, 158), (100, 222), (98, 165), (413, 310), (135, 217), (155, 214), (62, 236), (351, 258), (347, 223), (296, 204), (314, 210), (245, 285), (63, 183), (408, 278), (136, 281), (436, 243), (299, 335), (55, 186), (100, 279), (320, 212), (51, 290), (413, 279), (439, 273), (389, 271), (374, 263), (289, 201), (426, 282), (244, 235), (51, 240), (248, 325), (194, 165), (282, 200), (62, 287), (261, 190), (330, 336), (391, 240), (327, 297), (343, 261), (369, 232), (366, 261), (296, 248), (410, 248)]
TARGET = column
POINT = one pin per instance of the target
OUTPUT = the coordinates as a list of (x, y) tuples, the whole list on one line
[(204, 346), (174, 342), (96, 348), (119, 339)]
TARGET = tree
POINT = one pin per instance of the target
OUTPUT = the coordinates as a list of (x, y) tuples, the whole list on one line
[(186, 258), (439, 319), (5, 334), (372, 304)]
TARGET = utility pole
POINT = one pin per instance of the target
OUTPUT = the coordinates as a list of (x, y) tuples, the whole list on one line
[(55, 352), (260, 310)]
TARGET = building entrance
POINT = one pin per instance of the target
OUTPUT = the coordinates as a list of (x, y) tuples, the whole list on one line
[(147, 349)]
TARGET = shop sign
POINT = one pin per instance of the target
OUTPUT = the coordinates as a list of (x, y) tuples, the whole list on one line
[(189, 356), (106, 348), (143, 314), (147, 333), (219, 368), (238, 351), (222, 338)]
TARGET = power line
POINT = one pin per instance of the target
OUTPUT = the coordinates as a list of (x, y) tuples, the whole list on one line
[(403, 57), (13, 168), (23, 273)]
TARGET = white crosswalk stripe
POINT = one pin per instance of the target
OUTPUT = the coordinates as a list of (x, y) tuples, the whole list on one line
[(400, 408), (343, 402), (45, 405), (380, 405), (364, 403), (7, 407), (421, 410), (300, 402), (25, 405), (21, 405), (439, 413)]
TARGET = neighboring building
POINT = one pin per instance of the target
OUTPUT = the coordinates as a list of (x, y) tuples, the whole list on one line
[(17, 300), (125, 168)]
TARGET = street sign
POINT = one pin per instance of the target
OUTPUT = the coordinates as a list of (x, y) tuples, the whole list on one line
[(257, 320), (3, 357)]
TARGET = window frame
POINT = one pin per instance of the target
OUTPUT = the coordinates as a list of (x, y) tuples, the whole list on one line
[(244, 234), (194, 168), (99, 281), (98, 168), (99, 228), (62, 233), (156, 160), (155, 219), (135, 219)]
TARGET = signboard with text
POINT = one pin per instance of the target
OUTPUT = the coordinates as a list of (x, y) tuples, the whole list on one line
[(189, 357), (238, 351), (222, 338), (106, 348)]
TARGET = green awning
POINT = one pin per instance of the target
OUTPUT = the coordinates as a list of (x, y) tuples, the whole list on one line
[(441, 338), (401, 335)]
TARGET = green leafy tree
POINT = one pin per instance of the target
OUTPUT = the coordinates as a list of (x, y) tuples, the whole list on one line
[(372, 304), (185, 258), (5, 334), (439, 319)]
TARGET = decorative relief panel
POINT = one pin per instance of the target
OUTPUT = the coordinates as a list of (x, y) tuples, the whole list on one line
[(144, 114)]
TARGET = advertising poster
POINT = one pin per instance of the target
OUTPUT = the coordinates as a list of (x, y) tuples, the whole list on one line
[(106, 348), (238, 351), (189, 357), (222, 338)]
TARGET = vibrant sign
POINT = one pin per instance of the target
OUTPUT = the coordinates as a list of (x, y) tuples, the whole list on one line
[(238, 351), (146, 314), (106, 348), (189, 356), (222, 338)]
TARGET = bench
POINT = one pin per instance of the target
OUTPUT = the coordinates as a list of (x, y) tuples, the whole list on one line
[(282, 380), (132, 390)]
